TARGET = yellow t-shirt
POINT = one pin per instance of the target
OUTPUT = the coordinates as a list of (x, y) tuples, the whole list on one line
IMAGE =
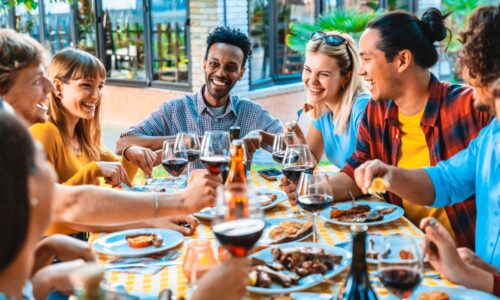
[(414, 153), (71, 169)]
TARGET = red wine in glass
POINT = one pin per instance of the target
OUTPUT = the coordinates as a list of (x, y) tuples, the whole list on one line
[(314, 202), (293, 172), (400, 280), (278, 156), (192, 155), (175, 166), (239, 236), (215, 164)]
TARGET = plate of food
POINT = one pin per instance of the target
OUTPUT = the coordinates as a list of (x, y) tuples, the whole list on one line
[(364, 212), (285, 230), (296, 266), (447, 293), (268, 199), (137, 242)]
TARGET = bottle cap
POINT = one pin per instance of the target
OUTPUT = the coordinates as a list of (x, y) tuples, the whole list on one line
[(359, 228), (237, 142)]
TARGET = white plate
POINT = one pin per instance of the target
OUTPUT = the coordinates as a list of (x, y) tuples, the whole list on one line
[(398, 213), (272, 222), (310, 296), (458, 293), (115, 243), (208, 213), (308, 281)]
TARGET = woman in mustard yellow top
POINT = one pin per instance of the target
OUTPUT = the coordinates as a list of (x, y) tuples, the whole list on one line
[(72, 137)]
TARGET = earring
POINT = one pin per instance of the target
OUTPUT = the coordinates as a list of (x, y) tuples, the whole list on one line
[(34, 201)]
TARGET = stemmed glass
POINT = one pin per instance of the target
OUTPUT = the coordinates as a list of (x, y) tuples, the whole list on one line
[(173, 161), (314, 194), (188, 143), (281, 141), (199, 258), (214, 152), (238, 222), (400, 266), (298, 158)]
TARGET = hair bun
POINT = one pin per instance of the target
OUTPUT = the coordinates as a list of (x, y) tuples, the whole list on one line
[(432, 22)]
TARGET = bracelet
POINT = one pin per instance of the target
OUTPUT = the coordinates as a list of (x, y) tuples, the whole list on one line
[(157, 208), (125, 150)]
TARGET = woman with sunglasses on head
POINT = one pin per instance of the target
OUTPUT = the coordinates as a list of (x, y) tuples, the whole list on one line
[(335, 94)]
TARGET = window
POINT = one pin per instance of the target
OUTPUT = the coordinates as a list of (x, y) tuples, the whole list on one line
[(4, 17), (58, 24), (270, 21), (124, 39), (86, 38), (169, 42), (27, 21), (329, 5)]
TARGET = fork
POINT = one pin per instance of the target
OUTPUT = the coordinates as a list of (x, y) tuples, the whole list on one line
[(354, 203), (299, 113)]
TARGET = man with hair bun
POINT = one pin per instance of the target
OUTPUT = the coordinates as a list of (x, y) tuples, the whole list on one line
[(212, 107), (413, 120)]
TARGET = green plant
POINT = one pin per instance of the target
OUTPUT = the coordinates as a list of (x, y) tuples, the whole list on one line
[(29, 4), (348, 21)]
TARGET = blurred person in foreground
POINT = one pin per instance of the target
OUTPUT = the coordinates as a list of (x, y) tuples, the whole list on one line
[(24, 88), (474, 170), (413, 120)]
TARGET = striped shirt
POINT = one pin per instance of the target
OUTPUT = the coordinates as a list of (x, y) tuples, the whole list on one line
[(449, 122), (190, 114)]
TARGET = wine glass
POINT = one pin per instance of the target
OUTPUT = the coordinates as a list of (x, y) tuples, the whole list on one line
[(199, 258), (188, 143), (173, 161), (298, 158), (238, 223), (281, 141), (400, 266), (214, 152), (314, 194)]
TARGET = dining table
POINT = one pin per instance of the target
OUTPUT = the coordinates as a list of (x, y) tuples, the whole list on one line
[(148, 286)]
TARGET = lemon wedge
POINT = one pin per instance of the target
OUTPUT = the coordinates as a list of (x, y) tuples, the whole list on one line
[(378, 186)]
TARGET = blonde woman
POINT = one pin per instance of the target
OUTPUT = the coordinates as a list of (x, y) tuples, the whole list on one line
[(335, 96), (72, 137)]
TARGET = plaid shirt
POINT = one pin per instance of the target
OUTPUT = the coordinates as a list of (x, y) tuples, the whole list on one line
[(449, 123), (190, 114)]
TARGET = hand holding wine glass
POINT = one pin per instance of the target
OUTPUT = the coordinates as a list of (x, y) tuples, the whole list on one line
[(298, 158), (215, 151), (238, 222), (173, 161), (281, 141), (188, 143)]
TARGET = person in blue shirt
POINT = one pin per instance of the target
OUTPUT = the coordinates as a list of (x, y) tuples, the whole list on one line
[(335, 95), (474, 170)]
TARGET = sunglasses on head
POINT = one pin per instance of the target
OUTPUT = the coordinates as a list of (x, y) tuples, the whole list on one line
[(330, 39)]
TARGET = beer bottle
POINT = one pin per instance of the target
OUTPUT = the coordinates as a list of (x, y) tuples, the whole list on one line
[(357, 285), (234, 133), (237, 171)]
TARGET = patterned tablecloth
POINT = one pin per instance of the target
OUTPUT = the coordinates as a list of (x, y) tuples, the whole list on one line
[(172, 277)]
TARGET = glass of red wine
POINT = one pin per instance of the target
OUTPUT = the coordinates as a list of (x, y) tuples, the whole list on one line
[(400, 266), (173, 161), (238, 222), (313, 195), (214, 152), (281, 141), (188, 143), (298, 159)]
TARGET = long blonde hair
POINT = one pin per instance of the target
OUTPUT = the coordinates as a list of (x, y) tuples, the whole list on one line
[(347, 57), (73, 64)]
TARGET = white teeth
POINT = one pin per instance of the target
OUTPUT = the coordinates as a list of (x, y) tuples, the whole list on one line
[(42, 106), (89, 106), (217, 82)]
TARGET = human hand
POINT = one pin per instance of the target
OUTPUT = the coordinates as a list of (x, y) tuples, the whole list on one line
[(290, 188), (442, 253), (469, 257), (294, 127), (252, 142), (226, 281), (142, 157), (200, 192), (365, 173), (55, 277), (113, 173), (184, 224)]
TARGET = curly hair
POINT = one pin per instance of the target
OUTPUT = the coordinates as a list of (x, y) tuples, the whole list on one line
[(481, 41), (231, 36)]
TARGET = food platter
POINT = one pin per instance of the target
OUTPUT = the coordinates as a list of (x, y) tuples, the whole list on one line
[(396, 213), (276, 231)]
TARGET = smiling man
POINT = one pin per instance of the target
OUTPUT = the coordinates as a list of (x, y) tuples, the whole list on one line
[(212, 108)]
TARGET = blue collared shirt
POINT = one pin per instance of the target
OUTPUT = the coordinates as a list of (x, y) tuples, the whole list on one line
[(190, 114), (475, 169)]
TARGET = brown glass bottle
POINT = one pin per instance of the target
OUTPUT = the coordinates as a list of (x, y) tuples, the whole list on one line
[(237, 172), (357, 285)]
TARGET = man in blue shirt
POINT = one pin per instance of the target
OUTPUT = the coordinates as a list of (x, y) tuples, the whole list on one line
[(212, 108), (473, 170)]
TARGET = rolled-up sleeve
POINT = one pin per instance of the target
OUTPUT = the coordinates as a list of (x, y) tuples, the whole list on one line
[(454, 180)]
